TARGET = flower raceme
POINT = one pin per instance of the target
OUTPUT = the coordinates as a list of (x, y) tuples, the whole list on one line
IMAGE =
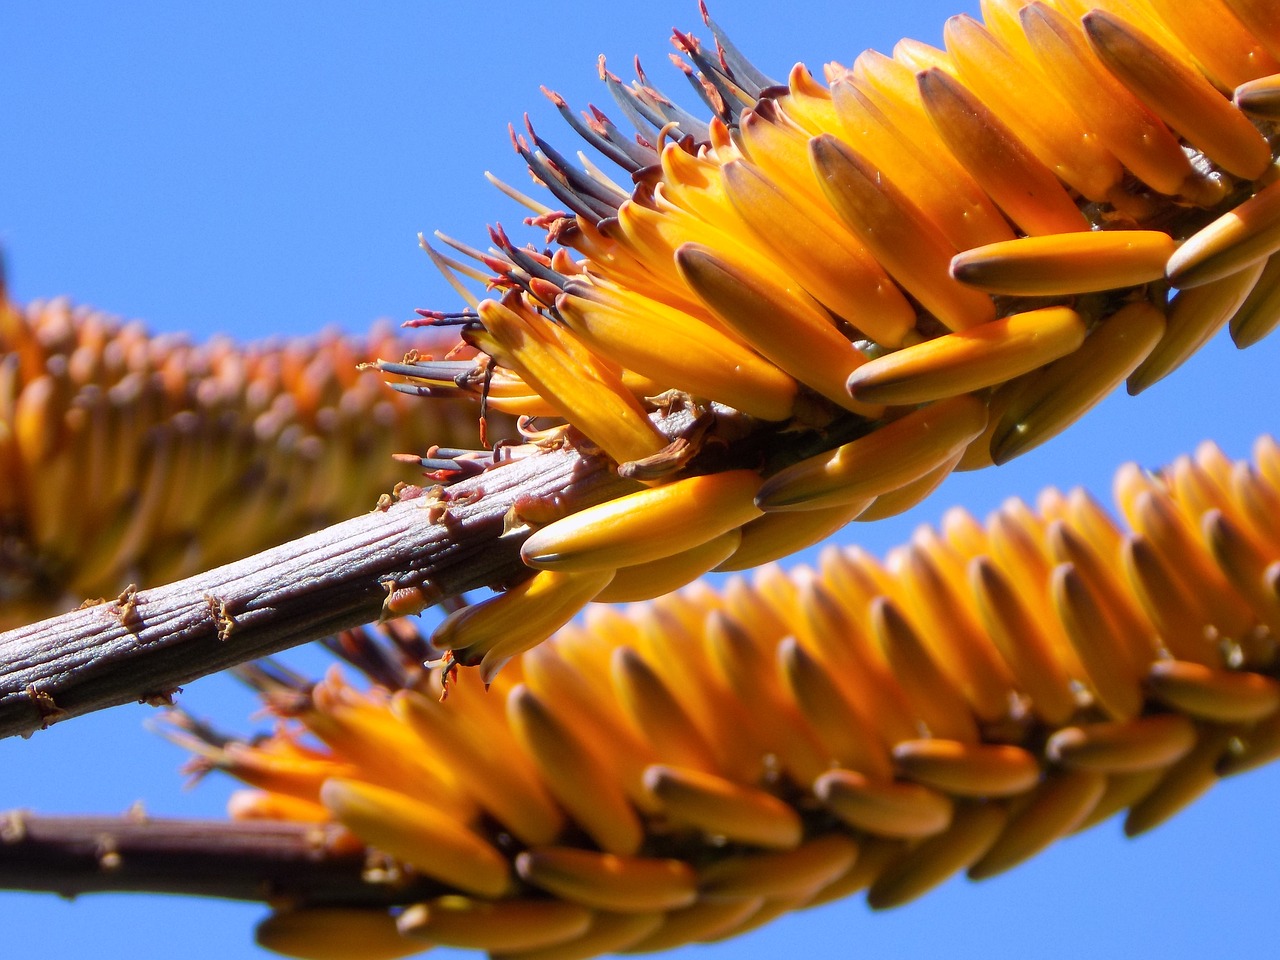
[(689, 768), (933, 261), (131, 457)]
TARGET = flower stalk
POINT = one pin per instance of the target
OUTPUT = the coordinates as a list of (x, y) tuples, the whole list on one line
[(142, 645)]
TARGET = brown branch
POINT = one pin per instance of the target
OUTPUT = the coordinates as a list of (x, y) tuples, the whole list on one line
[(248, 860), (145, 645)]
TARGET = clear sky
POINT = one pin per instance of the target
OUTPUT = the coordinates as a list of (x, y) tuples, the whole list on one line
[(256, 168)]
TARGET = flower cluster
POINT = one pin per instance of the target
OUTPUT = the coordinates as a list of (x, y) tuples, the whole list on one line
[(132, 457), (689, 768), (933, 261)]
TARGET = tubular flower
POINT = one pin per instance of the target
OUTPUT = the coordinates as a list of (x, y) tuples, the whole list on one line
[(689, 768), (929, 262), (127, 456)]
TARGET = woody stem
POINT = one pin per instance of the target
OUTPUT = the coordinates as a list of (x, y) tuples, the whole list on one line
[(248, 860), (146, 644)]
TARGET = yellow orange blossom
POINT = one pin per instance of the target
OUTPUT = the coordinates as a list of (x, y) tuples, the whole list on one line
[(689, 768), (132, 457), (924, 262)]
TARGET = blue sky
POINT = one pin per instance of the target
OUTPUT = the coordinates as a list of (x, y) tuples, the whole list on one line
[(264, 168)]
